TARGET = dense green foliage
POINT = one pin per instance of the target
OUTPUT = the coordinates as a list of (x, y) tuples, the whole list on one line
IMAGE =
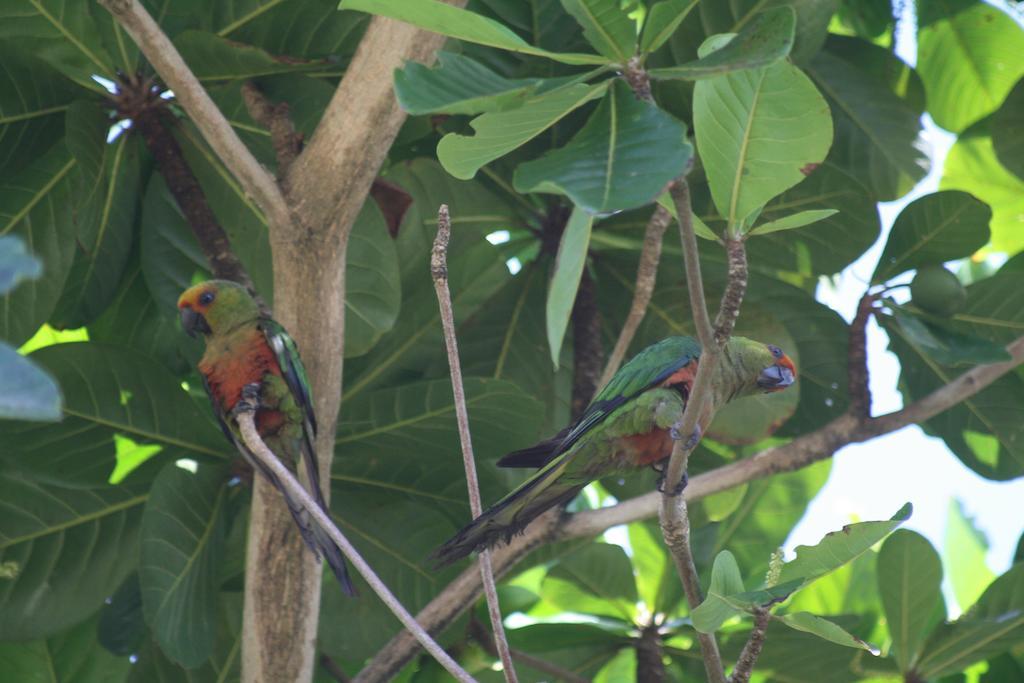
[(797, 118)]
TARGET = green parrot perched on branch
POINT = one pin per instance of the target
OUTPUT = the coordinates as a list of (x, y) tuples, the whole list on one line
[(244, 348), (631, 423)]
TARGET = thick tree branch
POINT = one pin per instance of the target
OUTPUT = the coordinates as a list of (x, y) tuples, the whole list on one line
[(277, 119), (247, 426), (752, 650), (646, 275), (439, 272), (216, 130), (650, 667), (797, 454)]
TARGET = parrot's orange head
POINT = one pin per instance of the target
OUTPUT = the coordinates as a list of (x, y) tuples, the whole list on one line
[(215, 306), (780, 374)]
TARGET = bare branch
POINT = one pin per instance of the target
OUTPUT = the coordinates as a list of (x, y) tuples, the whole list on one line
[(439, 272), (277, 119), (735, 290), (216, 130), (752, 650), (247, 425), (680, 192), (646, 275), (857, 359)]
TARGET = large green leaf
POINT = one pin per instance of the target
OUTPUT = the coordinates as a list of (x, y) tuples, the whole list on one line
[(64, 33), (1008, 131), (725, 582), (214, 59), (944, 345), (762, 42), (29, 393), (580, 648), (606, 26), (569, 264), (968, 54), (122, 627), (70, 548), (839, 547), (372, 287), (876, 131), (972, 166), (106, 225), (110, 393), (33, 98), (596, 579), (37, 206), (498, 133), (663, 18), (994, 624), (622, 158), (932, 229), (657, 581), (793, 221), (181, 543), (462, 24), (402, 444), (909, 578), (457, 85), (72, 655), (823, 628), (964, 550), (759, 132)]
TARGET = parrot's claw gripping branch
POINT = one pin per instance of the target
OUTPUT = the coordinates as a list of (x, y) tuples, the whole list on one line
[(249, 402)]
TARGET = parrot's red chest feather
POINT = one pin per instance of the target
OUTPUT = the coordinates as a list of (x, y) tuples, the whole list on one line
[(243, 359), (649, 448)]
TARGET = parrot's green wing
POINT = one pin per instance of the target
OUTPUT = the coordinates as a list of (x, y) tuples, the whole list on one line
[(646, 370)]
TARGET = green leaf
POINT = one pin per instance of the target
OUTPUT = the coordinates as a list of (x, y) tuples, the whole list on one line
[(462, 24), (968, 57), (622, 667), (994, 624), (762, 42), (581, 648), (1008, 131), (498, 133), (718, 506), (909, 583), (63, 33), (972, 166), (605, 26), (214, 59), (16, 263), (29, 393), (876, 131), (656, 579), (457, 85), (725, 581), (122, 628), (36, 206), (372, 285), (700, 228), (946, 346), (33, 98), (181, 542), (597, 579), (109, 392), (572, 257), (72, 655), (402, 444), (937, 227), (759, 132), (823, 628), (796, 220), (839, 547), (964, 550), (663, 18), (70, 548), (622, 158), (106, 226)]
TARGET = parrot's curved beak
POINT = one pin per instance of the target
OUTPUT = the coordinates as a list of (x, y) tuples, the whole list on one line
[(776, 377), (194, 322)]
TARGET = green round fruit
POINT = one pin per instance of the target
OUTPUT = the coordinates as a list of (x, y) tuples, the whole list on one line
[(937, 291)]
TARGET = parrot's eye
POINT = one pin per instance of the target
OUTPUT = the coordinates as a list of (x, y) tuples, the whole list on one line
[(776, 351), (206, 298)]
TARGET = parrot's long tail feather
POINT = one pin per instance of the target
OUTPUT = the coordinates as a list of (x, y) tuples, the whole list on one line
[(508, 516)]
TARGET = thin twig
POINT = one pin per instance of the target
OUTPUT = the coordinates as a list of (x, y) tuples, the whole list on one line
[(216, 130), (646, 275), (247, 426), (752, 650), (277, 119), (439, 272), (480, 635), (797, 454)]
